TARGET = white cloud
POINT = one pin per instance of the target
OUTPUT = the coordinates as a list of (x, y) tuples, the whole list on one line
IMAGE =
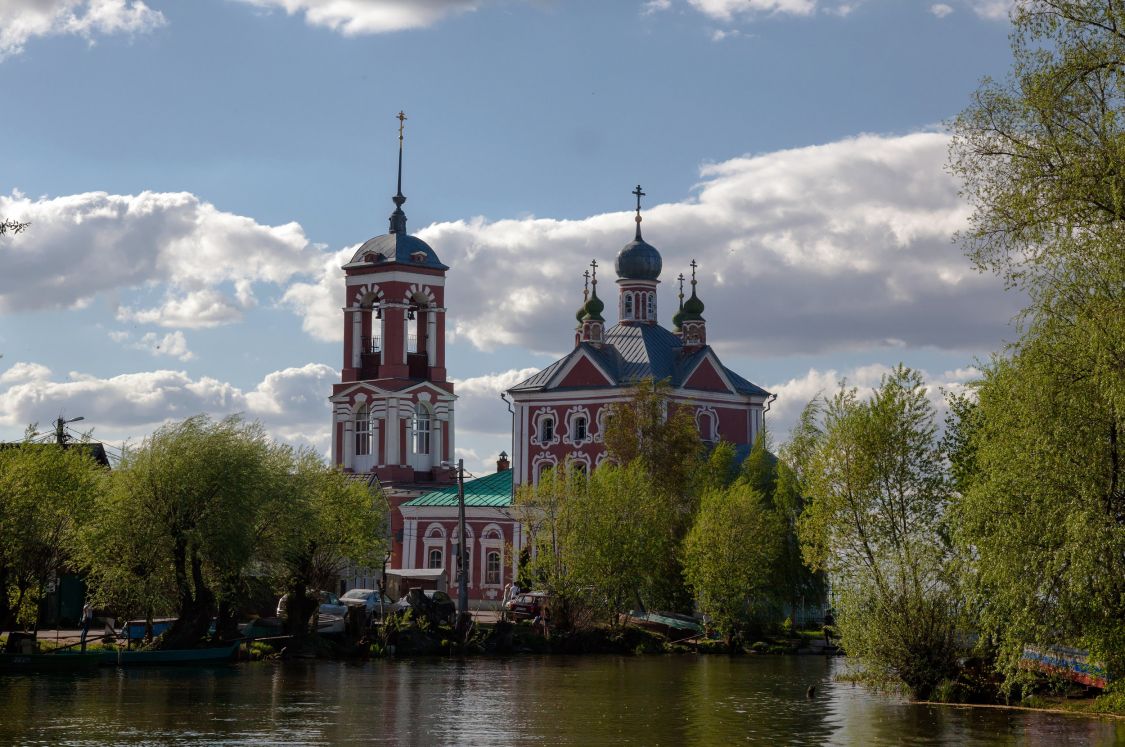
[(996, 10), (941, 10), (172, 344), (793, 395), (292, 403), (655, 6), (727, 10), (22, 20), (479, 407), (841, 246), (87, 244), (352, 17)]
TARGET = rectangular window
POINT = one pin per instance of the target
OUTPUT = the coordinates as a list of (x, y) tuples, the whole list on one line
[(580, 429), (362, 435), (434, 561), (546, 430)]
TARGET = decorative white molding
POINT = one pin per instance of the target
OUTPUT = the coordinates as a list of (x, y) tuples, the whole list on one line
[(366, 293), (537, 419), (712, 417), (540, 463), (571, 415)]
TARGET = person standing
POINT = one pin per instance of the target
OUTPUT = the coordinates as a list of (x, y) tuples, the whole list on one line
[(87, 620)]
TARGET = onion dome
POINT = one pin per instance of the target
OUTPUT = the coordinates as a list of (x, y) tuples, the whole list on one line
[(638, 260), (678, 317), (693, 307), (594, 307), (585, 297)]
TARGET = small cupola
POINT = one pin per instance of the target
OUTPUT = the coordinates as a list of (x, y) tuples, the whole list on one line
[(693, 327), (593, 324)]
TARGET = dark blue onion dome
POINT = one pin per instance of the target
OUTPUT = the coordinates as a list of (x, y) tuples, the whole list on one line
[(638, 260)]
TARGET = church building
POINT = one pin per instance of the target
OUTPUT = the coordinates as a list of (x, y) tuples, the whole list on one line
[(560, 412), (393, 409)]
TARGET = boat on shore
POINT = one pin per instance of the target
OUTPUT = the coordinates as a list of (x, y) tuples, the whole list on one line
[(124, 657)]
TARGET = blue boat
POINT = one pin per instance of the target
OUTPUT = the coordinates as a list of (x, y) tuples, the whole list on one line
[(123, 657)]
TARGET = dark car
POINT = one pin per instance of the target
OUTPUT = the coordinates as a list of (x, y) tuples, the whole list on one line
[(436, 605), (529, 604)]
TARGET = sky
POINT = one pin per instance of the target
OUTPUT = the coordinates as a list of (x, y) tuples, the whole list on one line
[(195, 174)]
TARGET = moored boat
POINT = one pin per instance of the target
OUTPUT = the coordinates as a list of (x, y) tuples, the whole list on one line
[(125, 657), (61, 662)]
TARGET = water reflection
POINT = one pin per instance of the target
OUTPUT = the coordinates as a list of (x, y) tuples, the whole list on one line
[(680, 700)]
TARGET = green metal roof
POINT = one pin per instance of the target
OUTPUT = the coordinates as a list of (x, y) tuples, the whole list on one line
[(490, 491)]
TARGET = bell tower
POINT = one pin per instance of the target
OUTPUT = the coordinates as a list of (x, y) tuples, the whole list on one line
[(393, 407)]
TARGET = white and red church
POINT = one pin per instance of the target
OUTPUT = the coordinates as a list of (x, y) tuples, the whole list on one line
[(393, 410)]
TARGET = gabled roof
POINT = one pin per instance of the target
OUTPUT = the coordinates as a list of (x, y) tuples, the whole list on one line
[(490, 491), (634, 352)]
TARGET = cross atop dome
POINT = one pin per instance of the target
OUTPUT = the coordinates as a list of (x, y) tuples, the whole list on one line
[(639, 195), (398, 218)]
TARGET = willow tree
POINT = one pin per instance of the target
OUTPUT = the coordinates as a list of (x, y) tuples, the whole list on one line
[(1041, 156), (45, 492), (876, 497), (180, 522)]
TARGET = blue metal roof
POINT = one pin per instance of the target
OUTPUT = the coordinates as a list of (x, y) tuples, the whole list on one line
[(401, 248), (634, 352)]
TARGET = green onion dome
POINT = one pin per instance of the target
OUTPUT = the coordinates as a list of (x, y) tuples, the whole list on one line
[(693, 307), (593, 308)]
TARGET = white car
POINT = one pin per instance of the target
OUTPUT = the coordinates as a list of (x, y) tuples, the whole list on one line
[(369, 599), (329, 604)]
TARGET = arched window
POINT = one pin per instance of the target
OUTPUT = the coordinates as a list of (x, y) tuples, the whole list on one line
[(579, 428), (546, 430), (627, 312), (363, 431), (492, 567), (435, 558), (651, 305), (421, 429)]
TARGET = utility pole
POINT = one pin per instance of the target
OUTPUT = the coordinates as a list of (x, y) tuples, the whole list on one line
[(462, 554), (60, 429)]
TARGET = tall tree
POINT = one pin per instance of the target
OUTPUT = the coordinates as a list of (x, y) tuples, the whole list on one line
[(873, 521), (730, 557), (45, 491), (1041, 155), (180, 520)]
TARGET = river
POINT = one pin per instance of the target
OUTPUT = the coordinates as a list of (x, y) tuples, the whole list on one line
[(650, 700)]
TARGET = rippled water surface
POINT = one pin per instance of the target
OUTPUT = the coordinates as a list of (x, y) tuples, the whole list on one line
[(674, 700)]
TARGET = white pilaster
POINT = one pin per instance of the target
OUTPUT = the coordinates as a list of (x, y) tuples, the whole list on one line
[(357, 337), (392, 455)]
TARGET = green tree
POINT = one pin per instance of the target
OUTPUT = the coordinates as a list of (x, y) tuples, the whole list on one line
[(876, 496), (7, 225), (730, 557), (1038, 462), (181, 520), (599, 541), (45, 492), (320, 521), (659, 437)]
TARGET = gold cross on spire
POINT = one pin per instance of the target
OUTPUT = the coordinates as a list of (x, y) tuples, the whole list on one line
[(586, 286), (639, 195), (594, 274), (401, 117), (693, 266)]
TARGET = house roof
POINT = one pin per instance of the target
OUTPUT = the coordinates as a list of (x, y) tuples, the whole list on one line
[(94, 448), (490, 491), (634, 352)]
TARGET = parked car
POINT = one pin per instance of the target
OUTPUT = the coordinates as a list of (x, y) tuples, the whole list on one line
[(436, 604), (330, 604), (374, 603), (529, 604)]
